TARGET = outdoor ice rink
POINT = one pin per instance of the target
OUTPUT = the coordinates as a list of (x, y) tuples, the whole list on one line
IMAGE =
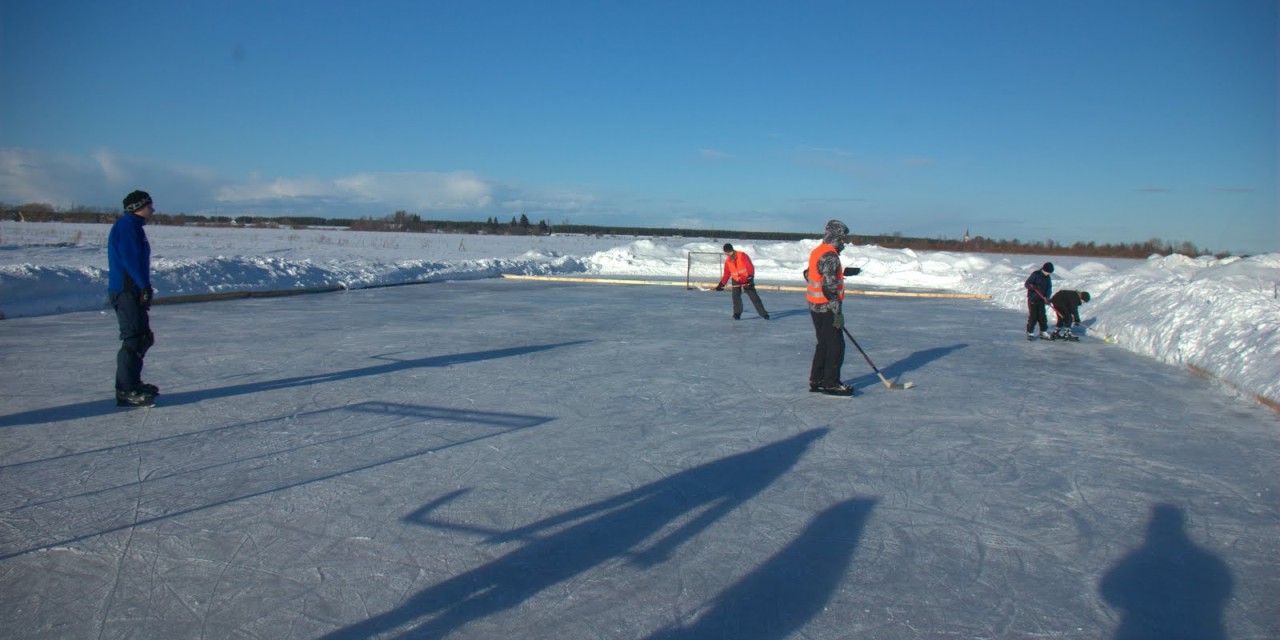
[(505, 459)]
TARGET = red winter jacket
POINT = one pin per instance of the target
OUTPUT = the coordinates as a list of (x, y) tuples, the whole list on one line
[(738, 267)]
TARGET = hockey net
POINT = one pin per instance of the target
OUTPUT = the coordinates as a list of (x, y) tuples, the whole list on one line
[(704, 270)]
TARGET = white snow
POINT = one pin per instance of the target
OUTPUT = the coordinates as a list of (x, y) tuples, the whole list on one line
[(1221, 317)]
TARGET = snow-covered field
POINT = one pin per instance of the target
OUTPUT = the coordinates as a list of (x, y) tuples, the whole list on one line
[(1218, 316)]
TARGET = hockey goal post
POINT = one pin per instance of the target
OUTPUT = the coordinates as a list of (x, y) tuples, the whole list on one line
[(704, 269)]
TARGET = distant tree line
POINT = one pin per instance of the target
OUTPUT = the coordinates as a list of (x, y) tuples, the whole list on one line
[(412, 222), (415, 223)]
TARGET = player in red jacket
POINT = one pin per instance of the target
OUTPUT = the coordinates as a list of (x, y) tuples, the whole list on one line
[(739, 270)]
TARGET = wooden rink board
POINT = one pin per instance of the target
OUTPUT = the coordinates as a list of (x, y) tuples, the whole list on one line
[(762, 287)]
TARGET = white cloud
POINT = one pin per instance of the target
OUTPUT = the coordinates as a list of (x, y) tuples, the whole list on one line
[(432, 193), (458, 190), (98, 180), (102, 178), (550, 201), (258, 191)]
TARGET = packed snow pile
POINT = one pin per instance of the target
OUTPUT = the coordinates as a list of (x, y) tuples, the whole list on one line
[(1221, 316)]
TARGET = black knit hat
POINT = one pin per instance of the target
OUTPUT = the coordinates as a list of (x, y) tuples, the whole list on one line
[(1047, 268), (136, 201), (1084, 296), (728, 247)]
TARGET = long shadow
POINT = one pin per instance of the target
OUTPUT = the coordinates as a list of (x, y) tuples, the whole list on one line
[(106, 406), (897, 369), (778, 315), (1169, 588), (591, 535), (789, 589), (225, 466)]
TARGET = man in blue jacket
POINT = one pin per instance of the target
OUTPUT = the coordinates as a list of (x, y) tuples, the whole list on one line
[(129, 290), (1039, 287)]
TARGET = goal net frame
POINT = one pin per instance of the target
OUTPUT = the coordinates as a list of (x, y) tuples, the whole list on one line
[(698, 268)]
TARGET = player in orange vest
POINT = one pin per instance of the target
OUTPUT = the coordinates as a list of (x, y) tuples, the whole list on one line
[(738, 268), (824, 291)]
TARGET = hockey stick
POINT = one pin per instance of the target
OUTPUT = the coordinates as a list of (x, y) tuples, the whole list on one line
[(1046, 301), (891, 385)]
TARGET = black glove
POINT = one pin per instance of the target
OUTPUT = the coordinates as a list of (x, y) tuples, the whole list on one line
[(145, 296), (839, 321), (720, 287), (852, 271)]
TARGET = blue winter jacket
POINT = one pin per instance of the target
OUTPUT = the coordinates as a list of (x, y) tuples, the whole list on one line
[(1040, 282), (128, 254)]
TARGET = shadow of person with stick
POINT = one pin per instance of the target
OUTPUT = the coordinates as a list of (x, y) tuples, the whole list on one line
[(1169, 588), (790, 588), (568, 544)]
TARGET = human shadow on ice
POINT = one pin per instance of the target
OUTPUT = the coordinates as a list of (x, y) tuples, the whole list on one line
[(215, 467), (787, 313), (1170, 587), (790, 588), (895, 370), (97, 408), (566, 545)]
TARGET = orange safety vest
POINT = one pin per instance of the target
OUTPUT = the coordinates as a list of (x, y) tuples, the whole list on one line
[(813, 288), (738, 267)]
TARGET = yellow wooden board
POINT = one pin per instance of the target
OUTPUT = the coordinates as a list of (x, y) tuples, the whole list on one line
[(762, 287)]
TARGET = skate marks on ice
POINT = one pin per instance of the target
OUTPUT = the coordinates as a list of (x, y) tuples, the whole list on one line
[(107, 406), (65, 499), (777, 598)]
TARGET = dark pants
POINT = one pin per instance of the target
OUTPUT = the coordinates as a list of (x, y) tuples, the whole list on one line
[(755, 300), (1062, 321), (1065, 316), (135, 337), (1036, 315), (828, 355)]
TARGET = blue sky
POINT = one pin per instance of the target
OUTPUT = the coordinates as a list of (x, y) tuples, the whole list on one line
[(1071, 121)]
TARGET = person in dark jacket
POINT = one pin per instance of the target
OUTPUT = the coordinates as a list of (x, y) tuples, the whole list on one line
[(130, 292), (1066, 305), (739, 270), (1039, 287)]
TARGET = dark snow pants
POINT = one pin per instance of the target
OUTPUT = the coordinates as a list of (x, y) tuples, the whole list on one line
[(1036, 315), (828, 354), (135, 337), (755, 300)]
